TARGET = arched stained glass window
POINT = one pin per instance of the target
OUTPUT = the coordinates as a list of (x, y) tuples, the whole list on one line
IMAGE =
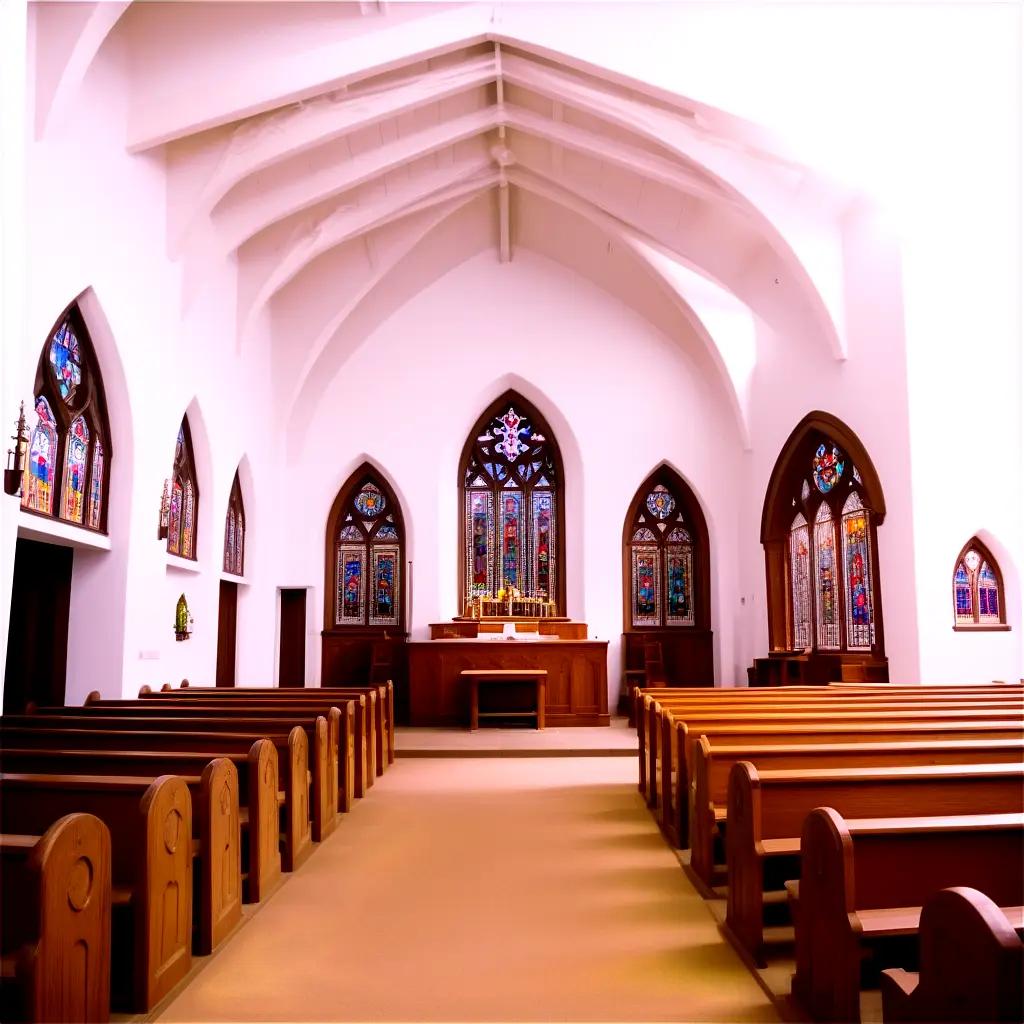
[(72, 432), (365, 554), (234, 531), (977, 589), (184, 513), (510, 486), (818, 528), (664, 553)]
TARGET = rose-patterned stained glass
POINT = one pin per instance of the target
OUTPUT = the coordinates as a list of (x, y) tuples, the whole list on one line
[(38, 475), (351, 579), (972, 560), (660, 502), (174, 521), (510, 481), (645, 577), (511, 525), (800, 582), (542, 542), (188, 521), (962, 595), (66, 361), (384, 581), (826, 594), (828, 465), (860, 624), (678, 585), (988, 595), (370, 501), (73, 483), (95, 513)]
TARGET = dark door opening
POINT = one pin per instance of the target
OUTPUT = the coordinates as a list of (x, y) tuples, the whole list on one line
[(37, 644), (227, 623), (292, 665)]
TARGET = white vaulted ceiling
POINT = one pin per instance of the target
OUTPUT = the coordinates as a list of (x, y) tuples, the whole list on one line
[(318, 145)]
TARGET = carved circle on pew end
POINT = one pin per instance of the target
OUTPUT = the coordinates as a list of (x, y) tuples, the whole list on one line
[(172, 830), (80, 884)]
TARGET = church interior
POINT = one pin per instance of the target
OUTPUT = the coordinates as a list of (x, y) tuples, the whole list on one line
[(514, 511)]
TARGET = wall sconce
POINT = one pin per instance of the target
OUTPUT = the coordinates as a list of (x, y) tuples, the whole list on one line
[(16, 455), (165, 513), (182, 620)]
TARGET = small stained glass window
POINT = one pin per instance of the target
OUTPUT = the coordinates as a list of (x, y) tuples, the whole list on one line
[(234, 531), (370, 501), (66, 361), (660, 503), (828, 465), (182, 531), (977, 589)]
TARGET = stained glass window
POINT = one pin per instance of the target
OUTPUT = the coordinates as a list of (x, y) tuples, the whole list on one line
[(826, 598), (510, 482), (234, 531), (860, 625), (821, 526), (65, 474), (73, 485), (977, 589), (800, 581), (660, 554), (182, 531), (366, 537)]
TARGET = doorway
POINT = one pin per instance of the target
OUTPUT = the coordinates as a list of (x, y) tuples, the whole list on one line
[(227, 623), (37, 644), (292, 664)]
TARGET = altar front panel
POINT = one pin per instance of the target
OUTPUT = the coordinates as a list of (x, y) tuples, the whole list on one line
[(577, 684)]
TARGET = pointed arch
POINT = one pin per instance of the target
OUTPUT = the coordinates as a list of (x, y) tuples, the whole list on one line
[(234, 531), (67, 473), (665, 556), (979, 598), (183, 521), (365, 555), (822, 508), (511, 502)]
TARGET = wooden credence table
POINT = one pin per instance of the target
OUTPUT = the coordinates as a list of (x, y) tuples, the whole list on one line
[(474, 677)]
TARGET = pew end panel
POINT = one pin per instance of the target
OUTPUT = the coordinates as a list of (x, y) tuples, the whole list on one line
[(298, 843), (221, 865), (971, 965), (325, 803), (62, 970), (264, 825), (163, 911)]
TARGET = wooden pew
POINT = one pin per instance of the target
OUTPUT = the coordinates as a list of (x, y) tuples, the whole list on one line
[(767, 811), (378, 698), (873, 725), (355, 729), (56, 922), (265, 756), (315, 732), (867, 879), (971, 965), (215, 831), (712, 763), (150, 827), (661, 715), (258, 800)]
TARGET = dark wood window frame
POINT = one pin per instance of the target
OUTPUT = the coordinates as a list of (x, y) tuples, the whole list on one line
[(343, 505), (236, 509), (1002, 626), (184, 472), (89, 401), (783, 500), (473, 449), (695, 524)]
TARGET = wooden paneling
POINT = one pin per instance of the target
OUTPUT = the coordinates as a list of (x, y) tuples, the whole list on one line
[(577, 685), (227, 621), (371, 654), (37, 645), (687, 654)]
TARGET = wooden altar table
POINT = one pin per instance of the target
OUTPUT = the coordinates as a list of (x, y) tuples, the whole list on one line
[(577, 677), (476, 676)]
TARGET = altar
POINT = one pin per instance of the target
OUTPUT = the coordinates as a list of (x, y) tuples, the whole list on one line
[(577, 675)]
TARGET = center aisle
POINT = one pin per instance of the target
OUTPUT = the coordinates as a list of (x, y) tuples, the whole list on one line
[(484, 889)]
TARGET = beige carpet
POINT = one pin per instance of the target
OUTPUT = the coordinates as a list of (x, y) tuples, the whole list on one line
[(484, 890)]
